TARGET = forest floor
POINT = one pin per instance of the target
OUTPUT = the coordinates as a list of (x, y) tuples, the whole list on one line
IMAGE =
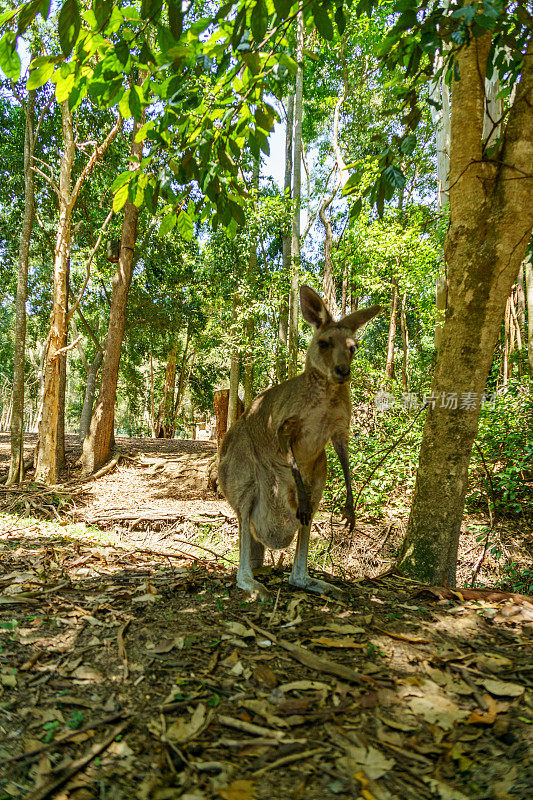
[(132, 667)]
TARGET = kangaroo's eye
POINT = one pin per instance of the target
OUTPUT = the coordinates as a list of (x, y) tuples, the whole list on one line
[(353, 348), (323, 344)]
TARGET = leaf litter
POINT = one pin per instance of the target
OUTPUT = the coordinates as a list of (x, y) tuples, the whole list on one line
[(138, 675)]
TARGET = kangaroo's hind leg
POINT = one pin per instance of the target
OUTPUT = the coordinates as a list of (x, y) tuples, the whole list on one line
[(257, 553), (248, 557), (300, 576)]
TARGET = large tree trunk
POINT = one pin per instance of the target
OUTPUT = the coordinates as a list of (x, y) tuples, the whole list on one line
[(164, 422), (233, 399), (88, 398), (46, 470), (294, 310), (101, 439), (491, 222), (16, 466), (389, 367)]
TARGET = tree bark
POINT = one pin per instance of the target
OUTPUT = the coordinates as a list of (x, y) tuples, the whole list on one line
[(164, 421), (88, 399), (46, 470), (389, 367), (60, 443), (249, 330), (100, 440), (16, 465), (490, 228), (294, 311), (405, 344), (528, 273), (233, 399), (283, 327)]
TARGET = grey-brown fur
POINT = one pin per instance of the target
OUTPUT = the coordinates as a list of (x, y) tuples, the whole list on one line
[(273, 465)]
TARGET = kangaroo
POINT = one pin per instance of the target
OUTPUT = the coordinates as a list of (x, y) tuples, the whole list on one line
[(273, 464)]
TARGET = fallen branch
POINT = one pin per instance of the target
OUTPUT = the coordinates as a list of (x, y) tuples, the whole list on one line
[(65, 738), (77, 766)]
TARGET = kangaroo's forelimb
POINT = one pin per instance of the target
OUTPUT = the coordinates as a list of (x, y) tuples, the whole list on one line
[(341, 448), (304, 512)]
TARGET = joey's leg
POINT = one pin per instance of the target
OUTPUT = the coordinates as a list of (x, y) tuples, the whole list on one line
[(245, 578), (300, 576), (257, 553)]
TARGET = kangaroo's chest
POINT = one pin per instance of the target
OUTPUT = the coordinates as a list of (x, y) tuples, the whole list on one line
[(319, 423)]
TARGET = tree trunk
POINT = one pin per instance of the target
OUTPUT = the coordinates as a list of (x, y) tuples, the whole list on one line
[(528, 273), (506, 350), (250, 326), (294, 311), (46, 470), (491, 222), (101, 437), (88, 399), (389, 368), (405, 344), (164, 422), (283, 328), (16, 466), (233, 399)]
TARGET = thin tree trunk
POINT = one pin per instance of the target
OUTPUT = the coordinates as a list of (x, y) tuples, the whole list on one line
[(283, 328), (60, 443), (405, 343), (233, 400), (16, 466), (491, 222), (46, 470), (506, 365), (88, 399), (101, 437), (528, 273), (250, 326), (389, 368), (344, 295), (294, 311)]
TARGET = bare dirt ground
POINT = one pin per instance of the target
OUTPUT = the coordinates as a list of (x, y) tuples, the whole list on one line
[(131, 666)]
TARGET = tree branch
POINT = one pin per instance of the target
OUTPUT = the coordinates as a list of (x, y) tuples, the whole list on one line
[(88, 267)]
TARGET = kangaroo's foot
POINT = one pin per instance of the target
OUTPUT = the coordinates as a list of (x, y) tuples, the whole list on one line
[(315, 585), (253, 587)]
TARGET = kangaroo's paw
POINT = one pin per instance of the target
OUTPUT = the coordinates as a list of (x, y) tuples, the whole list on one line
[(315, 585), (254, 588)]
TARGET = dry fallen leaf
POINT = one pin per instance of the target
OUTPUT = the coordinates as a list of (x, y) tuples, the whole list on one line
[(325, 641), (238, 790), (503, 688), (370, 760), (182, 730), (239, 630)]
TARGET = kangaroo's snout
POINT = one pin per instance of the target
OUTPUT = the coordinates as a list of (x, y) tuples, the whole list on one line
[(341, 373)]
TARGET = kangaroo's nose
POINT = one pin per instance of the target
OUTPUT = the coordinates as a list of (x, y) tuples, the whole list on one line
[(342, 372)]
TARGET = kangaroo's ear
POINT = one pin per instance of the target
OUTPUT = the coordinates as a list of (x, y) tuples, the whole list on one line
[(313, 308), (358, 318)]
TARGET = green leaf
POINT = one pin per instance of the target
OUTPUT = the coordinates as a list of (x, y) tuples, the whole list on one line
[(238, 28), (322, 21), (340, 19), (151, 9), (394, 177), (185, 226), (283, 7), (120, 197), (121, 180), (135, 103), (265, 121), (40, 75), (352, 183), (356, 208), (167, 223), (408, 144), (9, 58), (259, 20), (124, 105), (102, 11), (175, 18), (69, 24)]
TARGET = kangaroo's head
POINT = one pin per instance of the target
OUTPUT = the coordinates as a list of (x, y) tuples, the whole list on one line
[(333, 345)]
